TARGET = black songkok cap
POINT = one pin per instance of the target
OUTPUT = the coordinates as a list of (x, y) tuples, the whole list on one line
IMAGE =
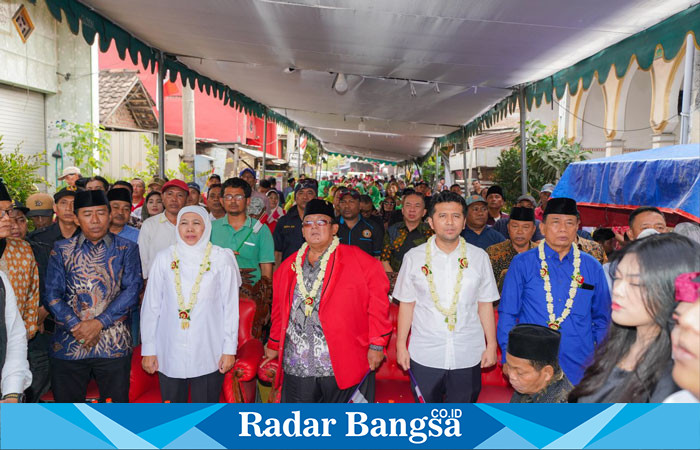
[(318, 206), (523, 214), (65, 192), (534, 342), (495, 189), (119, 194), (4, 195), (561, 205), (86, 199)]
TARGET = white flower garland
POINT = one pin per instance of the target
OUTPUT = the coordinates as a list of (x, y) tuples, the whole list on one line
[(309, 296), (576, 281), (451, 312), (185, 311)]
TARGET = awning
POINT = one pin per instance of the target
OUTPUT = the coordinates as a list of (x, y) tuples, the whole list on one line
[(607, 189), (416, 70)]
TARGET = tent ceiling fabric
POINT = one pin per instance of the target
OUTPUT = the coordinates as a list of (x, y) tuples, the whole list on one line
[(475, 50)]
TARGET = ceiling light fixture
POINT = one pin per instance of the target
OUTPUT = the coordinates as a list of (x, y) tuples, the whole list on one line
[(340, 84)]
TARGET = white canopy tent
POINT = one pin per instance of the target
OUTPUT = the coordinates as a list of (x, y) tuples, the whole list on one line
[(415, 69)]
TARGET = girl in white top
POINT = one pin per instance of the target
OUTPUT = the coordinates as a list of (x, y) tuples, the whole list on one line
[(189, 316)]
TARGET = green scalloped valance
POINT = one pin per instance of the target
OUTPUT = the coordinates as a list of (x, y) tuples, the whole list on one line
[(81, 18), (669, 34), (380, 161)]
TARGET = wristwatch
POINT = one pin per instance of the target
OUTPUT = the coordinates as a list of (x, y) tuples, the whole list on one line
[(19, 397), (377, 348)]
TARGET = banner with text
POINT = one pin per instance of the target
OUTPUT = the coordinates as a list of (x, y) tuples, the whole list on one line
[(324, 426)]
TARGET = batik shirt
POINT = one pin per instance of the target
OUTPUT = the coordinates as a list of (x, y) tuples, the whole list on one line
[(398, 241), (305, 347), (18, 263), (93, 281), (501, 255)]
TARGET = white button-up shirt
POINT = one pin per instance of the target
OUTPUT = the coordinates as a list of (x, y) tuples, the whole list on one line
[(157, 233), (16, 376), (432, 344), (213, 329)]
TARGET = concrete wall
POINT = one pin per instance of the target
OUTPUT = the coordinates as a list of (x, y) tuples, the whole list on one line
[(51, 48)]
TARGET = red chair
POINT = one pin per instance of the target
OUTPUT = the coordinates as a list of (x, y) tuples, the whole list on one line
[(239, 383), (393, 385)]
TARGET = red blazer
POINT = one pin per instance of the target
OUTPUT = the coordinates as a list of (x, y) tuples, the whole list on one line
[(354, 311)]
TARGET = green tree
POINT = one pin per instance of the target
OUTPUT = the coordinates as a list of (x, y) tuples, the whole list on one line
[(547, 158), (20, 172), (87, 145)]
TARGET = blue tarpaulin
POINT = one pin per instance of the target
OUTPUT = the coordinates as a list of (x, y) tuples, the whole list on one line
[(668, 178)]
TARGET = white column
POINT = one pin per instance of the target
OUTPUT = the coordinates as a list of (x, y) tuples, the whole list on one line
[(663, 140), (614, 147), (188, 129)]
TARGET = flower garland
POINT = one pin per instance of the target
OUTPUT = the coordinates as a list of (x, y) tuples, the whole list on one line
[(184, 311), (451, 312), (576, 280), (309, 296)]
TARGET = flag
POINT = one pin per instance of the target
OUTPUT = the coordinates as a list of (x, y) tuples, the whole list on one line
[(357, 396), (419, 394)]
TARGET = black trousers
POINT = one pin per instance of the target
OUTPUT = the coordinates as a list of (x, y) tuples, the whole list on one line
[(203, 389), (38, 356), (69, 378), (447, 386), (322, 390)]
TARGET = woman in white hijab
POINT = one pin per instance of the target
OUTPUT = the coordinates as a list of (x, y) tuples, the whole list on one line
[(189, 316)]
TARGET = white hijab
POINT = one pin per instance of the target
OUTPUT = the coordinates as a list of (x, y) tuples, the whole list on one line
[(191, 256)]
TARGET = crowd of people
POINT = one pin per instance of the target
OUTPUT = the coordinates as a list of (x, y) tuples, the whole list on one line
[(611, 316)]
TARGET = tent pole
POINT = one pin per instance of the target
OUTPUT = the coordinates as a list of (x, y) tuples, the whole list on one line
[(298, 158), (264, 161), (464, 169), (161, 117), (523, 141), (687, 88), (437, 166)]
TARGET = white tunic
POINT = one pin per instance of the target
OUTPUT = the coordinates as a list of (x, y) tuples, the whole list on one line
[(16, 376), (431, 343), (157, 233), (213, 329)]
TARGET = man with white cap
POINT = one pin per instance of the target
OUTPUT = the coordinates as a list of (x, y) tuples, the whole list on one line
[(545, 193), (70, 176)]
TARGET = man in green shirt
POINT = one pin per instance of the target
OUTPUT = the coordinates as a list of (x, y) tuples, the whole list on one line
[(249, 240)]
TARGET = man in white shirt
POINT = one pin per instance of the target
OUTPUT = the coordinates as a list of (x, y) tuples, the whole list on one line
[(16, 376), (446, 288), (158, 232)]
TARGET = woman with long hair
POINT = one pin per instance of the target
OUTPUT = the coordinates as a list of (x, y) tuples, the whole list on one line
[(634, 363), (152, 205), (189, 316)]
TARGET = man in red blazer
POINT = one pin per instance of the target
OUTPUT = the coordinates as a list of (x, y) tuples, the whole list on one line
[(329, 331)]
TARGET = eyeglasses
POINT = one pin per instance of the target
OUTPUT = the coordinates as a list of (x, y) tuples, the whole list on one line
[(320, 223), (6, 212), (237, 197)]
